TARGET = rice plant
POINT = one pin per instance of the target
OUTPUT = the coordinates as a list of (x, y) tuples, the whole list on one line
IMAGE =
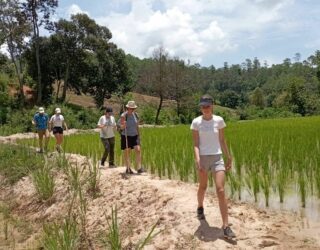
[(265, 152), (64, 236), (43, 181)]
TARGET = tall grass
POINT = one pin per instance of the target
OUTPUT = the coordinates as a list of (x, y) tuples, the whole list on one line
[(113, 239), (18, 161), (64, 236), (268, 155), (43, 181)]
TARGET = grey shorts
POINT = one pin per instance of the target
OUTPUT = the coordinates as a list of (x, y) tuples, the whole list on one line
[(212, 163)]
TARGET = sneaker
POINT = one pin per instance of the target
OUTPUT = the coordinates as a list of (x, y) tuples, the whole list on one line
[(200, 213), (141, 170), (58, 148), (228, 233), (129, 171)]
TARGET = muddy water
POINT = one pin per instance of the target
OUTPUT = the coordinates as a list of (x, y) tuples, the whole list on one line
[(292, 203)]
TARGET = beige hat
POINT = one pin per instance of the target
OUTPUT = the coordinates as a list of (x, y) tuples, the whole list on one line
[(41, 110), (131, 105), (58, 110)]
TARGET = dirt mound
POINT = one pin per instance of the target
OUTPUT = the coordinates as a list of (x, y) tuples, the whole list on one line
[(144, 200)]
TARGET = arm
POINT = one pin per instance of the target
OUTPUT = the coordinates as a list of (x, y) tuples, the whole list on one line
[(48, 123), (195, 137), (65, 125), (225, 149), (100, 125), (123, 122)]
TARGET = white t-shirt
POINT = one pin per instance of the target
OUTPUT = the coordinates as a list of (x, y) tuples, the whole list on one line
[(209, 143), (107, 131), (57, 120)]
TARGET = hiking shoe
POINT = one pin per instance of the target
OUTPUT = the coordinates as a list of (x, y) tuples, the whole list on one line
[(200, 213), (141, 170), (129, 171), (228, 233), (58, 148)]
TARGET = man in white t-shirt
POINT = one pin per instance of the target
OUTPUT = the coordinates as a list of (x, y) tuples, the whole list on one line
[(209, 144), (108, 125)]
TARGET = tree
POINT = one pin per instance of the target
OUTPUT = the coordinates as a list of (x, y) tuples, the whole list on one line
[(257, 98), (106, 71), (15, 29), (181, 82), (297, 98), (38, 13), (229, 98), (160, 81)]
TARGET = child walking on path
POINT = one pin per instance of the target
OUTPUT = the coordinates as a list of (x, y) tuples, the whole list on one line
[(209, 143)]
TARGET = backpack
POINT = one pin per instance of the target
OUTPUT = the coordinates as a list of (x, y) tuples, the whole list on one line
[(126, 115)]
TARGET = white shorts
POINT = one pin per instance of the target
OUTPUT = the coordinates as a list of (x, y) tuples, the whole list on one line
[(212, 163)]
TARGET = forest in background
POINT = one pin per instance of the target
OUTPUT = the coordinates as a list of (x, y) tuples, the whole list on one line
[(79, 56)]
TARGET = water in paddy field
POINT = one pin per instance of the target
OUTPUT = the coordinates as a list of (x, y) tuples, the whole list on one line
[(292, 203)]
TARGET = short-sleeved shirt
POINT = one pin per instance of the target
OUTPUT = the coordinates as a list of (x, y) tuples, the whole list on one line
[(132, 124), (57, 120), (108, 131), (41, 121), (209, 143)]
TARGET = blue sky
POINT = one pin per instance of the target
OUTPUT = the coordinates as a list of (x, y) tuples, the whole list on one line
[(209, 32)]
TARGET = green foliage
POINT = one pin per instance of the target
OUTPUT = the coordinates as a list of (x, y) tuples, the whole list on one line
[(18, 161), (64, 236), (18, 121), (113, 236), (44, 182)]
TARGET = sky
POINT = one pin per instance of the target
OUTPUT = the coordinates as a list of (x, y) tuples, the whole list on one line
[(208, 32)]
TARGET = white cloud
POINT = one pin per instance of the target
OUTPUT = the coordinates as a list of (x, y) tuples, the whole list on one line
[(75, 9), (144, 29), (198, 29)]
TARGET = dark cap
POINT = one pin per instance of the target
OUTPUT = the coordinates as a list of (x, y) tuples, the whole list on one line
[(108, 110), (206, 100)]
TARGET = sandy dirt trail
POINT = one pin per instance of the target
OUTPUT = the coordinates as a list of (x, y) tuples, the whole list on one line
[(143, 200)]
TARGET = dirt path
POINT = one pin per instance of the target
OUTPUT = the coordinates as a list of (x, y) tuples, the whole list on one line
[(143, 200)]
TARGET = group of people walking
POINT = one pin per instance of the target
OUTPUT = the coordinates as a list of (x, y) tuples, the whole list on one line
[(44, 126), (208, 140), (128, 126)]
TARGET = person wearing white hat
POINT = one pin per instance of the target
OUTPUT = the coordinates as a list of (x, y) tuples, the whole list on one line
[(40, 120), (57, 123), (129, 124)]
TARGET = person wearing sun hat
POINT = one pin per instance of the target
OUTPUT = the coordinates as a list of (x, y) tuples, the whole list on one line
[(107, 124), (41, 122), (56, 124), (209, 144), (129, 124)]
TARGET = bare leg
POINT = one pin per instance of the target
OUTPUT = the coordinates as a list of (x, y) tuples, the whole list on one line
[(219, 178), (138, 156), (40, 134), (203, 182)]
